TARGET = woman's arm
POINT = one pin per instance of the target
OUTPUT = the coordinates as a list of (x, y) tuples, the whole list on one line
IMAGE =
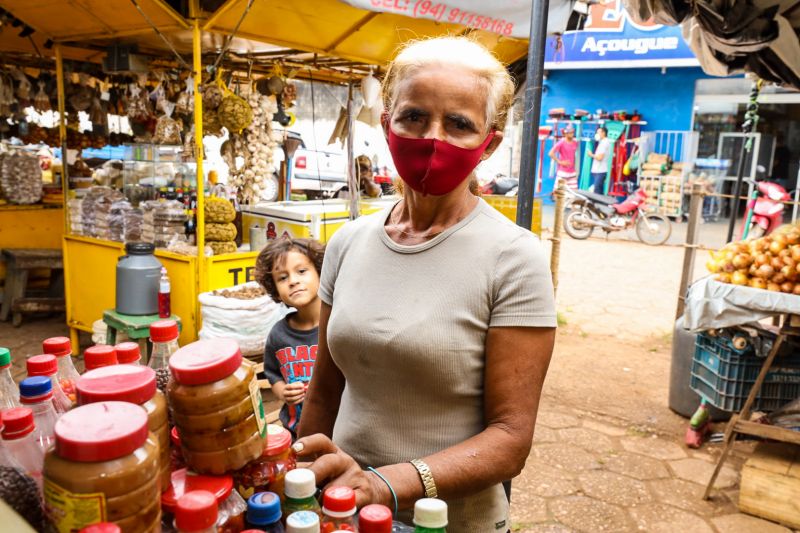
[(325, 390), (513, 385)]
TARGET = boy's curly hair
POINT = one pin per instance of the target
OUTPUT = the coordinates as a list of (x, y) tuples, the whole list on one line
[(273, 253)]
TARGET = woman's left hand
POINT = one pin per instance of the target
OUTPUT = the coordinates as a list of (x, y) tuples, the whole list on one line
[(334, 467)]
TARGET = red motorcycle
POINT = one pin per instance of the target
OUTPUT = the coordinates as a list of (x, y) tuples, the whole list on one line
[(588, 211), (767, 209)]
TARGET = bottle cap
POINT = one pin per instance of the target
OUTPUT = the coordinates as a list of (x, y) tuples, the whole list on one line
[(183, 481), (430, 513), (127, 353), (339, 502), (35, 389), (302, 522), (196, 511), (42, 365), (100, 431), (5, 357), (17, 422), (278, 440), (102, 527), (375, 518), (205, 361), (121, 383), (263, 508), (98, 356), (299, 483), (58, 346), (139, 248), (164, 331)]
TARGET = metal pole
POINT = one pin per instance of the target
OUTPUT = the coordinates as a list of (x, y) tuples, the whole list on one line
[(352, 180), (532, 110), (62, 130), (197, 72), (695, 210), (737, 189)]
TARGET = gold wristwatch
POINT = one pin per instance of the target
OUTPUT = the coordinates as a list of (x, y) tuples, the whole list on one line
[(427, 478)]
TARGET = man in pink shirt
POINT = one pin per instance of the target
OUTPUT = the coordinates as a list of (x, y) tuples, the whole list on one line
[(563, 153)]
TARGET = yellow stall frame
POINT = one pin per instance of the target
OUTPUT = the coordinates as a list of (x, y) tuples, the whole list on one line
[(30, 226)]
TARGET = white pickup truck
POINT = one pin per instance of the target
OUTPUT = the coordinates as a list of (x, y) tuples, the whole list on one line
[(318, 174)]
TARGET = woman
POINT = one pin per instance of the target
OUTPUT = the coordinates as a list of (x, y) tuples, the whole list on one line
[(437, 321), (563, 153)]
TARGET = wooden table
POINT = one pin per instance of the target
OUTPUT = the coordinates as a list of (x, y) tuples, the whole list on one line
[(19, 263)]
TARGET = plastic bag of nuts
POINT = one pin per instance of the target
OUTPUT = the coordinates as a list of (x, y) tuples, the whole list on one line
[(21, 179)]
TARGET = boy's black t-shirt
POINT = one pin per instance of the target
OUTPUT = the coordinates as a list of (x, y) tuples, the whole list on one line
[(289, 356)]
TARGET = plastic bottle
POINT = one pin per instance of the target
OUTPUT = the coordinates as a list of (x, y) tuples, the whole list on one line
[(196, 512), (6, 459), (36, 394), (47, 365), (375, 518), (303, 522), (430, 516), (339, 510), (67, 375), (164, 304), (128, 353), (164, 335), (300, 486), (18, 437), (264, 512), (9, 394), (98, 356)]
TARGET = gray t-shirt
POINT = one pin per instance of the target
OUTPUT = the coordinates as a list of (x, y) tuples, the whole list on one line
[(408, 331)]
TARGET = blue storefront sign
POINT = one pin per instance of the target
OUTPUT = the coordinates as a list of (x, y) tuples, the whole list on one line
[(611, 39)]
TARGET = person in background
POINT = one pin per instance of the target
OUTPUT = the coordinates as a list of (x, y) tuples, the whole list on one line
[(366, 180), (600, 160), (563, 153), (289, 270)]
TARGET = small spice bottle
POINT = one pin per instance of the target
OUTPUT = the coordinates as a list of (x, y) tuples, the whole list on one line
[(339, 509), (231, 506), (47, 365), (98, 356), (128, 353), (267, 473), (67, 375)]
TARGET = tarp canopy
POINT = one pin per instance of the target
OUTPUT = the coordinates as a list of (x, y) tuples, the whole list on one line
[(735, 36)]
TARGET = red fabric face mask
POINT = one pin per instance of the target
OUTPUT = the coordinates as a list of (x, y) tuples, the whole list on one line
[(431, 166)]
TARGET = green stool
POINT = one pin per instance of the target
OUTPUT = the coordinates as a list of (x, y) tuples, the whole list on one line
[(137, 328)]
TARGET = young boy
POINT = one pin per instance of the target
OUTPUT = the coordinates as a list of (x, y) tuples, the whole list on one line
[(289, 270)]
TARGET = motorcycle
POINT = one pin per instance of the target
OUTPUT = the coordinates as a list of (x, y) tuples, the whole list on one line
[(588, 211), (767, 209), (500, 185)]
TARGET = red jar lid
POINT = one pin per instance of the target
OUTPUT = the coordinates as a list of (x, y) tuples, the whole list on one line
[(127, 352), (17, 422), (278, 440), (42, 365), (375, 518), (103, 527), (121, 383), (196, 511), (205, 361), (58, 346), (163, 331), (183, 481), (100, 431), (339, 501), (98, 356), (175, 437)]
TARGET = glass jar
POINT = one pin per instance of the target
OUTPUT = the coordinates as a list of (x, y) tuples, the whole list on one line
[(338, 510), (267, 473), (36, 394), (134, 384), (208, 396), (67, 375), (103, 467), (47, 365), (9, 394), (98, 356), (232, 507), (128, 353), (164, 336)]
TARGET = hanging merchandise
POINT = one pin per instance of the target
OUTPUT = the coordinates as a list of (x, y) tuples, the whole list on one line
[(21, 178), (168, 130), (370, 90), (82, 94), (234, 112), (185, 102)]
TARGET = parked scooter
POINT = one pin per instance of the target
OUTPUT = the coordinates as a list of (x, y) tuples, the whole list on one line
[(501, 185), (587, 211), (767, 209)]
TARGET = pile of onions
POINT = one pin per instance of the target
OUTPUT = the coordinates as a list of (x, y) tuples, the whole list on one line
[(770, 263)]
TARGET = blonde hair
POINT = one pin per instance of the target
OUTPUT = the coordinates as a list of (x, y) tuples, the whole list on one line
[(457, 51)]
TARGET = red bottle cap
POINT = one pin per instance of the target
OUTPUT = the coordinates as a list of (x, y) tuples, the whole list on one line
[(205, 361), (183, 481), (128, 352), (121, 383), (163, 331), (100, 431), (339, 501), (196, 511), (58, 346), (278, 440), (175, 437), (98, 356), (17, 422), (375, 518), (42, 365), (103, 527)]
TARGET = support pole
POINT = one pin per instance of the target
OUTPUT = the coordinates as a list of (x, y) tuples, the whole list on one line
[(532, 111), (690, 248), (199, 155), (62, 132), (555, 252), (352, 179), (737, 190)]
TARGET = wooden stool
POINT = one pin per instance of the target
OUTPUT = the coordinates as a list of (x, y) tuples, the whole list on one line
[(137, 328), (19, 263)]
